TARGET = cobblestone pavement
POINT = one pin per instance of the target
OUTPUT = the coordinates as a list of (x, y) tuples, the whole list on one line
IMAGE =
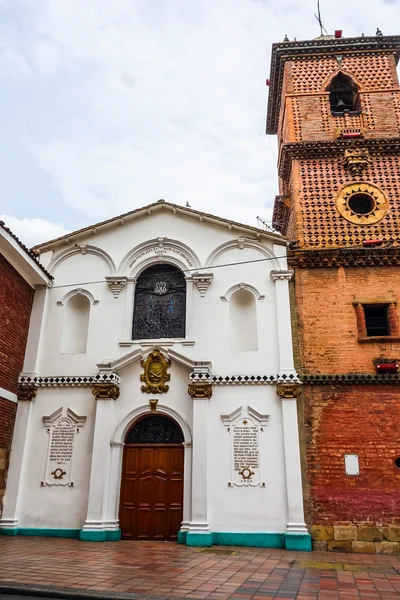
[(165, 569)]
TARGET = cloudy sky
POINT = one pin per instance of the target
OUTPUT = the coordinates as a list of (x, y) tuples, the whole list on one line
[(107, 105)]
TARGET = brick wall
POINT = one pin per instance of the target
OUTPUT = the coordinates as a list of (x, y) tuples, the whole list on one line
[(305, 111), (15, 307), (360, 420), (327, 325), (7, 416)]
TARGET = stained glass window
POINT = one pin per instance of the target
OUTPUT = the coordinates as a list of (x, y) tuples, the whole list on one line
[(155, 429), (160, 303)]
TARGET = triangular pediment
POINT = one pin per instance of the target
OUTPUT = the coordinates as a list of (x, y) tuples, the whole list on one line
[(154, 208), (136, 356)]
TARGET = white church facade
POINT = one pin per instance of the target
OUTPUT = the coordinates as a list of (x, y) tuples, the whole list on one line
[(159, 398)]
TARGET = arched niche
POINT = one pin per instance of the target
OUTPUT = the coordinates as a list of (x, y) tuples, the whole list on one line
[(343, 94), (160, 303), (243, 333), (75, 324)]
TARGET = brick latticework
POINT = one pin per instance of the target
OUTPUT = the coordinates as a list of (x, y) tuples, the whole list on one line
[(321, 154), (15, 307)]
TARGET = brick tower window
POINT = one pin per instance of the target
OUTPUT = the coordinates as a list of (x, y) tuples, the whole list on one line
[(343, 95), (377, 319)]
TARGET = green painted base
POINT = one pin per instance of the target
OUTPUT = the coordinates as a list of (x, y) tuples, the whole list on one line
[(9, 531), (182, 537), (256, 540), (298, 541), (199, 539), (101, 535), (41, 532)]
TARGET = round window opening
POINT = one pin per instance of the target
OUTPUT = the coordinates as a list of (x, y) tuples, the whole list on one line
[(361, 204), (397, 462)]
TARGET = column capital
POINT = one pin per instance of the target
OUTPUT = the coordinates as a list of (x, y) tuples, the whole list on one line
[(281, 274), (26, 392), (200, 390), (288, 391), (105, 391)]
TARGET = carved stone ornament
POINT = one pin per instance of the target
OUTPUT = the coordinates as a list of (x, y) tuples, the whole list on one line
[(26, 393), (200, 390), (202, 281), (153, 404), (288, 391), (356, 160), (155, 373), (116, 285), (105, 391)]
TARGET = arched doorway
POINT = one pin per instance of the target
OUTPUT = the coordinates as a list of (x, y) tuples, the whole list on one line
[(151, 506)]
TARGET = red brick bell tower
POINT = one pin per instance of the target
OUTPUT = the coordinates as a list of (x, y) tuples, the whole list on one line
[(335, 105)]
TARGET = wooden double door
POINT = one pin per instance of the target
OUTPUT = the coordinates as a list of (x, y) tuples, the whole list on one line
[(151, 506)]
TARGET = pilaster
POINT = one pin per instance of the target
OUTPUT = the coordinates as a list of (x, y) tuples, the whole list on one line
[(281, 277), (297, 536), (97, 527), (198, 530), (18, 460)]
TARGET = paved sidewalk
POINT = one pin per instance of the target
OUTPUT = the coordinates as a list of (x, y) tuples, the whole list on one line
[(165, 569)]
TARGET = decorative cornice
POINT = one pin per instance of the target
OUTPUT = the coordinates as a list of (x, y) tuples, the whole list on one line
[(200, 390), (326, 46), (357, 378), (288, 391), (116, 284), (67, 380), (26, 392), (247, 379), (281, 275), (332, 148), (105, 391), (202, 281), (345, 257)]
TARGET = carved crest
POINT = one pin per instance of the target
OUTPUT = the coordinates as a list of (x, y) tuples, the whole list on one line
[(155, 373), (356, 160)]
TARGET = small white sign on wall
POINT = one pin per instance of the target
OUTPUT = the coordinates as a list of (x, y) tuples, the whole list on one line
[(351, 464)]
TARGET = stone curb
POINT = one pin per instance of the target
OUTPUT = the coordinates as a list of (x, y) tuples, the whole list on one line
[(65, 593)]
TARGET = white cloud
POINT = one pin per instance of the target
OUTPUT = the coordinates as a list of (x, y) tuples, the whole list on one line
[(33, 231), (162, 99)]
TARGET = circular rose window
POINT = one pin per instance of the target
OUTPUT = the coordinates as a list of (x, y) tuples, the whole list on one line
[(362, 203)]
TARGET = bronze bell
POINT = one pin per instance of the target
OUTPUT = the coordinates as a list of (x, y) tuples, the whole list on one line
[(340, 106)]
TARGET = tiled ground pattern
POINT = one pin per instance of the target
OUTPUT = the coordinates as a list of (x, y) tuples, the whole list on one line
[(166, 569)]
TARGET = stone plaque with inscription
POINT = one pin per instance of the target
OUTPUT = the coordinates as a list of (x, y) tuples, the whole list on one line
[(62, 429), (245, 446), (246, 452)]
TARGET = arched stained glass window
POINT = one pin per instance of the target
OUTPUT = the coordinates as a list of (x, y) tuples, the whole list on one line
[(160, 303), (155, 429)]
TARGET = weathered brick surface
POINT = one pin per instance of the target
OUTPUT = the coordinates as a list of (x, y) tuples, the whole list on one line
[(306, 115), (360, 420), (328, 335), (15, 307)]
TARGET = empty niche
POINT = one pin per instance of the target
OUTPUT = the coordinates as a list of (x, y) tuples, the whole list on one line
[(243, 321), (75, 325)]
